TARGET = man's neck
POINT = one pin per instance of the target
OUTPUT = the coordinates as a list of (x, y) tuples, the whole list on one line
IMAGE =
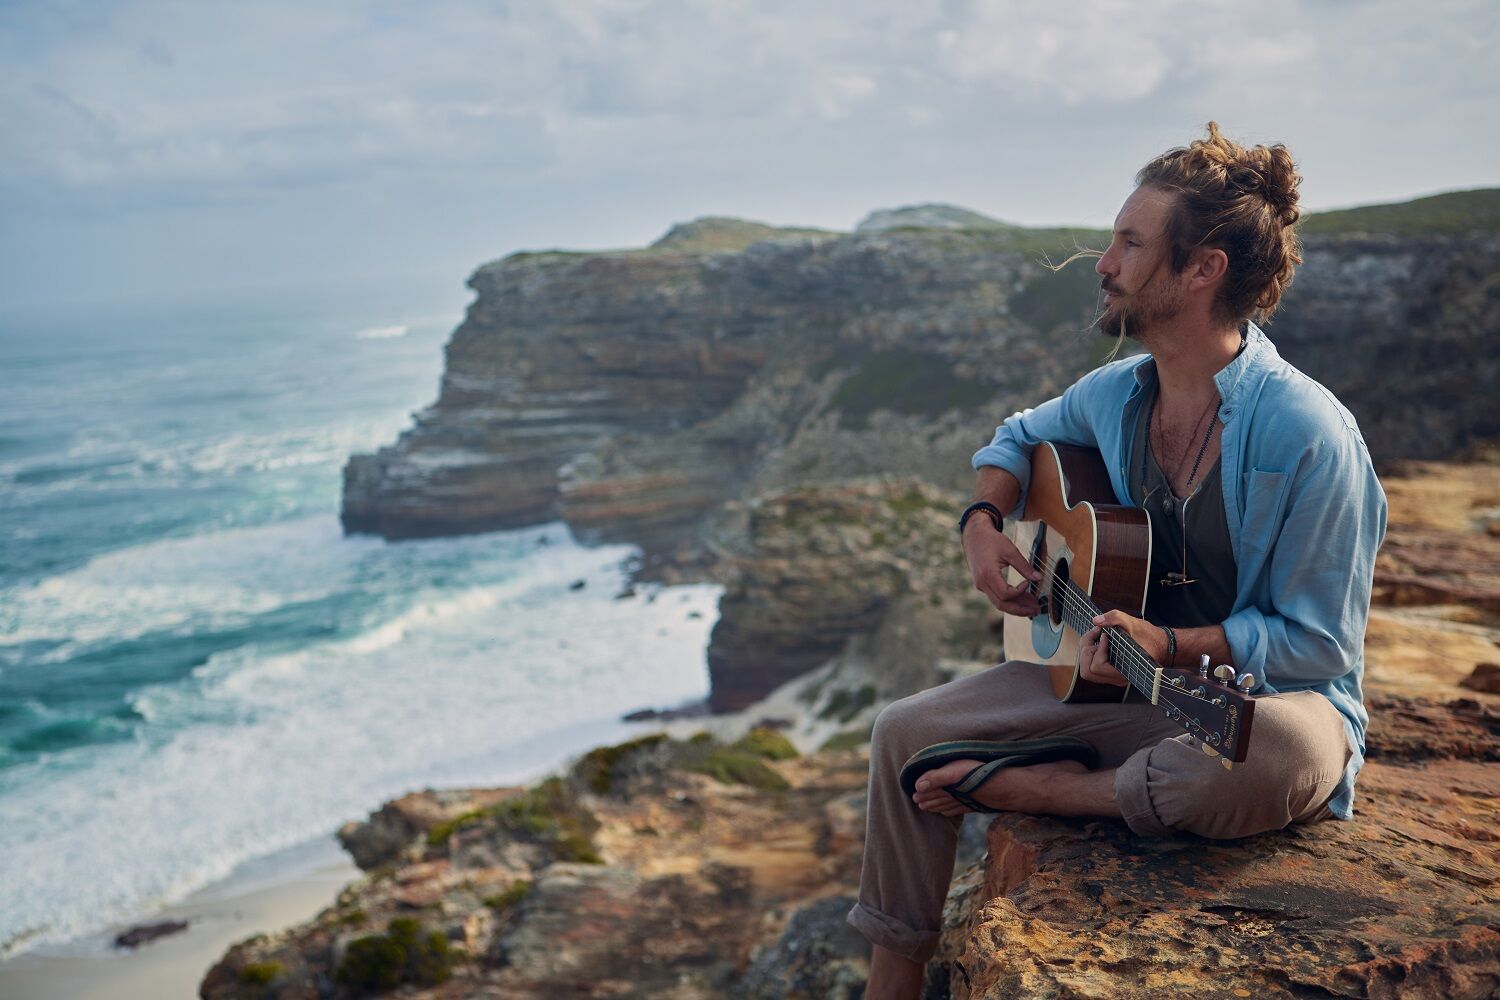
[(1187, 359)]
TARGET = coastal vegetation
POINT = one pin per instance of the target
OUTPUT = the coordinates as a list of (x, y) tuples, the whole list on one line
[(381, 962)]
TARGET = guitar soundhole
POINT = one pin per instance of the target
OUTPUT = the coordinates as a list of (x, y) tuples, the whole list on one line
[(1055, 593)]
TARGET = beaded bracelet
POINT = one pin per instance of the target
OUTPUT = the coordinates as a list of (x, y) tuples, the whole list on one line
[(988, 508)]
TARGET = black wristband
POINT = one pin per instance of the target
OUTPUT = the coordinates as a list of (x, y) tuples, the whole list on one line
[(1171, 645), (988, 508)]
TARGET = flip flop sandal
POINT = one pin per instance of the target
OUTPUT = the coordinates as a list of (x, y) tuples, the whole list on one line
[(995, 755)]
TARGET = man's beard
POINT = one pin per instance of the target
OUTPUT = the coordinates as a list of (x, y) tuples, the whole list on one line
[(1154, 304)]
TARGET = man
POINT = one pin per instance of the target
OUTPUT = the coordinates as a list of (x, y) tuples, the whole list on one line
[(1266, 516)]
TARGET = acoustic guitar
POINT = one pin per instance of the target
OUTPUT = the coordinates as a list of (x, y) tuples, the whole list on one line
[(1095, 556)]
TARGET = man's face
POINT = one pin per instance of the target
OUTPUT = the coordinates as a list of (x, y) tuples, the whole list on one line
[(1136, 275)]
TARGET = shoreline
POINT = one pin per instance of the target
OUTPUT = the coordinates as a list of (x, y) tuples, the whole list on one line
[(267, 893), (263, 895)]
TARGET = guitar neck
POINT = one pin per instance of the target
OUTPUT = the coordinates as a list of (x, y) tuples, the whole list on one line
[(1125, 654)]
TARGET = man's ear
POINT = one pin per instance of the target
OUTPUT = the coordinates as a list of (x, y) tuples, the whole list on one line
[(1208, 268)]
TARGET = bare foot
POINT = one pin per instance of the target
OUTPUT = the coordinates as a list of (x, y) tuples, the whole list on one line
[(1010, 789)]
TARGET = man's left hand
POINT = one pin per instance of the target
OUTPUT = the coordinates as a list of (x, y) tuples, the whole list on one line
[(1094, 662)]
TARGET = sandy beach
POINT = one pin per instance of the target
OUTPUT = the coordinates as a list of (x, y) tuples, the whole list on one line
[(263, 895)]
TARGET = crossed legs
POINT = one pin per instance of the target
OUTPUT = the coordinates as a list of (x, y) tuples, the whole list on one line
[(1155, 779)]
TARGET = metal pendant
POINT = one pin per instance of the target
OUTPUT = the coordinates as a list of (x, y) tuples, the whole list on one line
[(1167, 506)]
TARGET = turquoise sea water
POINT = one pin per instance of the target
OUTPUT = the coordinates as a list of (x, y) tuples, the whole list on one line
[(197, 667)]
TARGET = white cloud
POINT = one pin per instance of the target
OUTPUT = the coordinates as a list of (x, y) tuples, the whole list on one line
[(656, 110)]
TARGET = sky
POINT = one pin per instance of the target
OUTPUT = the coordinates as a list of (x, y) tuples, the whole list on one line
[(154, 150)]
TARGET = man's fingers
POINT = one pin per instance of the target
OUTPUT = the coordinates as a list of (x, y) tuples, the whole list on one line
[(1015, 600), (1022, 565)]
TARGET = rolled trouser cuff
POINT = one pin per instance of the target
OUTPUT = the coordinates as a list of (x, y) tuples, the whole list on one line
[(1133, 795), (892, 935)]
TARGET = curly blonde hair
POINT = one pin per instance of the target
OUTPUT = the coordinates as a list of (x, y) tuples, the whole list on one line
[(1242, 201)]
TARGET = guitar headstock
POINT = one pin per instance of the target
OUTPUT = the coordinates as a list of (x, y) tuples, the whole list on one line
[(1214, 706)]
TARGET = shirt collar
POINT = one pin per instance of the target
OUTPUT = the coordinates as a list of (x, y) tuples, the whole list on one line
[(1258, 349)]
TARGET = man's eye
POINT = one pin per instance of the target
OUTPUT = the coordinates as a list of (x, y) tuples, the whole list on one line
[(1131, 243)]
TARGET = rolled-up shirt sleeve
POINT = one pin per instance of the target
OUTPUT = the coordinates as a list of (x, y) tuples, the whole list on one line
[(1062, 419), (1322, 569)]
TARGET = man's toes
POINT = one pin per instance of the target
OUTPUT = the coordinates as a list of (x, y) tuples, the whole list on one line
[(946, 775)]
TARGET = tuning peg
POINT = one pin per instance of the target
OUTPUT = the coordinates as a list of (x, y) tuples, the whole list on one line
[(1224, 673), (1245, 682), (1202, 664)]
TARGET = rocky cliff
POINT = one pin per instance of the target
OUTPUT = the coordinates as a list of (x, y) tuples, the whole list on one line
[(633, 391), (652, 395)]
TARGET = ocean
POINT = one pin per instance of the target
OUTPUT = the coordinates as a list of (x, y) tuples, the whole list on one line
[(197, 668)]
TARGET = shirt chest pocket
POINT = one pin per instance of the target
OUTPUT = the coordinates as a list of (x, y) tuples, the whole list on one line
[(1265, 503)]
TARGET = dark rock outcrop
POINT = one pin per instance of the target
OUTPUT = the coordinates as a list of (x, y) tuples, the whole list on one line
[(146, 933), (819, 565), (818, 955), (392, 829)]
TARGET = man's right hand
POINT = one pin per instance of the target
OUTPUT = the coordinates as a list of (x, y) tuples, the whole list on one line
[(989, 552)]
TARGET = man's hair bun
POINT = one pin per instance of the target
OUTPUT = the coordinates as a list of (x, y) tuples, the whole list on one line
[(1243, 201)]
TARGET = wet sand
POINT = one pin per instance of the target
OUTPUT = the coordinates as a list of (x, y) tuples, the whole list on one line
[(262, 896)]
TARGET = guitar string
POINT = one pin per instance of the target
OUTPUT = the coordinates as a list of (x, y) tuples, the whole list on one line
[(1083, 603), (1142, 684)]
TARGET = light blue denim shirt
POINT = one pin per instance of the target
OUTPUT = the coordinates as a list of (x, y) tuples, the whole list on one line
[(1305, 511)]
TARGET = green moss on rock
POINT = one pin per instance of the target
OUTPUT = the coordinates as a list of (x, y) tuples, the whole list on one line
[(845, 704), (599, 769), (260, 973), (1061, 298), (737, 766), (382, 962), (546, 814), (510, 897), (904, 381), (846, 739), (768, 743), (1453, 213)]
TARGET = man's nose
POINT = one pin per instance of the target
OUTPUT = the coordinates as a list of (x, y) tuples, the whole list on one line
[(1105, 264)]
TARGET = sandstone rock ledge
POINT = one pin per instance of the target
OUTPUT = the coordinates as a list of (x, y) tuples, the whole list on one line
[(1399, 902)]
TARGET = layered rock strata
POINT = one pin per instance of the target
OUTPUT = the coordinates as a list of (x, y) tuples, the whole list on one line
[(663, 378)]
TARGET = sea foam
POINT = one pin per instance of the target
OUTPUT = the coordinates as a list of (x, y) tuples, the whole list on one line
[(476, 661)]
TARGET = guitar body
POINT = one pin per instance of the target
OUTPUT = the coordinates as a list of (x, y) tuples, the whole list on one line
[(1075, 531)]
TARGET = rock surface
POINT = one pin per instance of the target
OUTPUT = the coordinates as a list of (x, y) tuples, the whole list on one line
[(687, 874), (1399, 902)]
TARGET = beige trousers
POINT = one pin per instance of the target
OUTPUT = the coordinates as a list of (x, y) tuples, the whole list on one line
[(1164, 782)]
